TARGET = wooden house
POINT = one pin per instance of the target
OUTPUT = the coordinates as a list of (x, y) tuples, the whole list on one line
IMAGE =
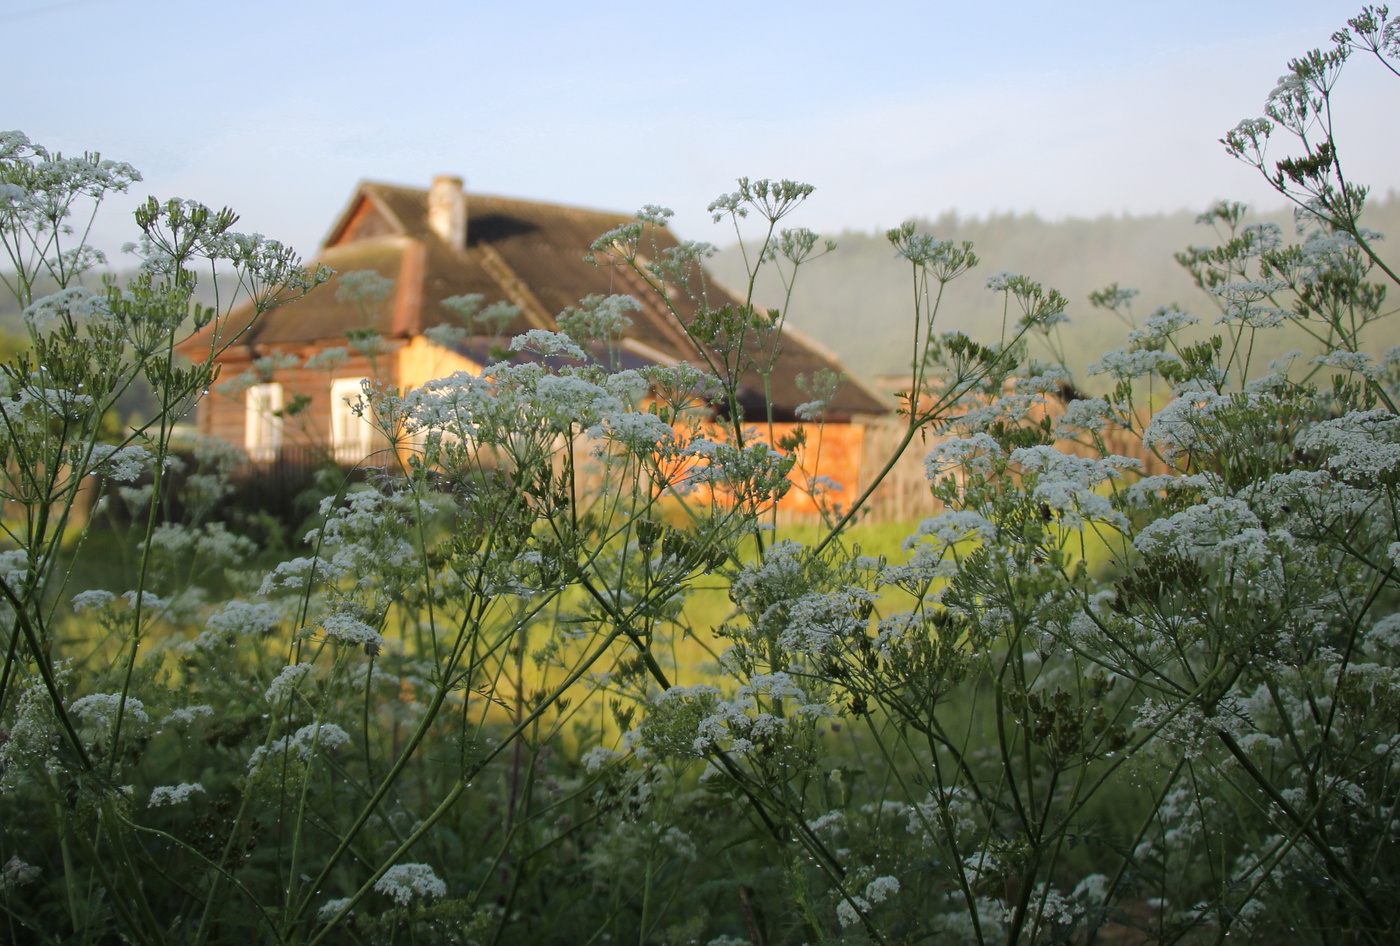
[(437, 243)]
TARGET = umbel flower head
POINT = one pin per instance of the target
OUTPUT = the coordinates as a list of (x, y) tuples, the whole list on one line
[(403, 882)]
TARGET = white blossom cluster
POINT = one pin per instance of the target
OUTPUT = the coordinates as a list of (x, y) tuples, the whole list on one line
[(741, 725), (286, 682), (346, 628), (1129, 364), (1067, 483), (75, 305), (300, 744), (404, 882), (101, 709), (163, 795)]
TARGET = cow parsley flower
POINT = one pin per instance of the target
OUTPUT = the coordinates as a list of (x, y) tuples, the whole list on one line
[(403, 882), (186, 715), (1242, 302), (1357, 361), (296, 572), (328, 359), (598, 758), (445, 336), (1195, 530), (1181, 426), (951, 527), (548, 343), (598, 318), (1360, 444), (1091, 415), (1164, 322), (881, 888), (101, 708), (1005, 281), (363, 287), (636, 431), (1125, 365), (285, 683), (1065, 482), (14, 568), (149, 601), (848, 910), (75, 304), (323, 736), (243, 619), (976, 454), (332, 908), (124, 464), (346, 628), (173, 794)]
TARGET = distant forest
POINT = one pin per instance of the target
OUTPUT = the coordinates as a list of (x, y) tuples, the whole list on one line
[(857, 299)]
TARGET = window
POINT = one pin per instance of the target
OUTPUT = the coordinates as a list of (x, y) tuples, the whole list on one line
[(352, 435), (262, 425)]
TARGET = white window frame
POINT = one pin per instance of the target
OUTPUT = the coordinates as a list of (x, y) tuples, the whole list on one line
[(352, 435), (262, 424)]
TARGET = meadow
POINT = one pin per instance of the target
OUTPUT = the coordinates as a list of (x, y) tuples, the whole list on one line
[(556, 670)]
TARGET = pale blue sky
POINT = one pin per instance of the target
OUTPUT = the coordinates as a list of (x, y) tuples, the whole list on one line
[(891, 108)]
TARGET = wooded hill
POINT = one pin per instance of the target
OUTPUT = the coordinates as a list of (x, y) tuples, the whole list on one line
[(857, 300)]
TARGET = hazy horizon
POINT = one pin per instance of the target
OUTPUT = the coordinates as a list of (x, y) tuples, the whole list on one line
[(903, 109)]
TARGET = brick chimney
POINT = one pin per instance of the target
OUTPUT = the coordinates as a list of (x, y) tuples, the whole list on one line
[(447, 210)]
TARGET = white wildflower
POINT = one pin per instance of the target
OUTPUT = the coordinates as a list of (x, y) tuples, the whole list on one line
[(122, 464), (848, 911), (1092, 889), (286, 682), (173, 794), (243, 619), (149, 602), (951, 527), (323, 736), (14, 568), (1125, 365), (403, 882), (881, 888), (1164, 322), (1181, 425), (548, 343), (332, 909), (346, 628), (598, 758), (186, 715), (1360, 444), (1357, 361), (1084, 414), (297, 572), (100, 708), (1198, 528), (975, 454), (637, 431), (445, 336), (75, 304), (1065, 482)]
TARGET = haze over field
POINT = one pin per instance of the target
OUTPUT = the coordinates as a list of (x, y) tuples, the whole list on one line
[(858, 302)]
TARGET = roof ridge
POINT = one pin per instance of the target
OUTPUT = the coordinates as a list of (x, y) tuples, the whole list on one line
[(482, 195)]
